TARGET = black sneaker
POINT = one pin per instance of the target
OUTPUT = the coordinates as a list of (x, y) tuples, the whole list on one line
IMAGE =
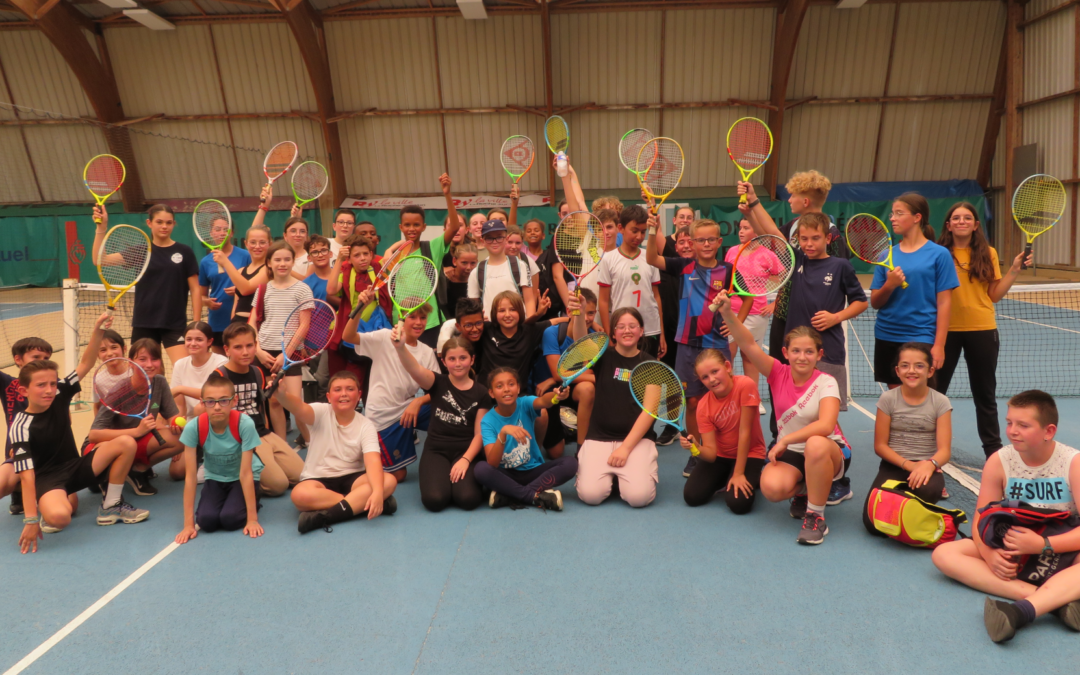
[(813, 529), (140, 483), (497, 500), (15, 508), (1069, 614), (667, 436), (389, 506), (798, 506), (689, 468), (312, 520), (1001, 619), (548, 500)]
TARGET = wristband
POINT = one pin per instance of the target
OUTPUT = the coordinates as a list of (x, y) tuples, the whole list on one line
[(263, 207), (754, 203), (934, 462), (34, 520), (1047, 547)]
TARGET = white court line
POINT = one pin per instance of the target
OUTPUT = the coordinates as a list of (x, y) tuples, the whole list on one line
[(1036, 323), (961, 477), (90, 611)]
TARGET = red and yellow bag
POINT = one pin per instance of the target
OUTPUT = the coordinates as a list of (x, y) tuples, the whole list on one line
[(900, 515)]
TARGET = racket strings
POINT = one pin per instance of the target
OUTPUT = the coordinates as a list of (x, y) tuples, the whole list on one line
[(279, 159), (578, 242), (556, 134), (630, 147), (868, 238), (1038, 204), (764, 265), (749, 143), (660, 164), (320, 327), (309, 181), (126, 392), (517, 155), (134, 250), (206, 215), (582, 354), (104, 175), (658, 390), (413, 282)]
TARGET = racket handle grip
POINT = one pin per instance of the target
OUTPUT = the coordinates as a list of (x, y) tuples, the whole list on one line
[(158, 438), (110, 311), (904, 285), (554, 400), (743, 199), (220, 269), (1027, 252), (694, 450), (97, 220), (560, 165), (269, 391)]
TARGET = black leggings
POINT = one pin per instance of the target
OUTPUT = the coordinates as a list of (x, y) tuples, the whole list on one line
[(980, 348), (931, 492), (436, 490), (525, 485), (709, 477)]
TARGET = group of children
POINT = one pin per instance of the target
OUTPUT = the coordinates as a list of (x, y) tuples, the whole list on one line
[(497, 416)]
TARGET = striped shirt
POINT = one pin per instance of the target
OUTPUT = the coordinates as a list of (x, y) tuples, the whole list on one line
[(43, 441), (277, 306)]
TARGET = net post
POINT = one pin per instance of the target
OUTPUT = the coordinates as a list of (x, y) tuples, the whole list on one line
[(71, 323)]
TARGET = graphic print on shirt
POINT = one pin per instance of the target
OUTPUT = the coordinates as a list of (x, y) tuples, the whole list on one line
[(622, 374), (1043, 492), (519, 455), (247, 398), (460, 419)]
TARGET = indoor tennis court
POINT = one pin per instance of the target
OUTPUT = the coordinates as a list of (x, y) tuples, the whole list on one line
[(525, 104)]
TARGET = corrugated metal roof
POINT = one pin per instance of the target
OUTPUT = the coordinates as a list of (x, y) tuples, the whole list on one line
[(1048, 53), (700, 47), (17, 186), (254, 138), (367, 75), (262, 68), (931, 141), (59, 153), (702, 133), (169, 72), (837, 140), (176, 168), (392, 155), (841, 53), (1036, 7), (322, 5), (39, 76), (998, 170), (491, 63), (594, 145), (932, 58), (1050, 125), (592, 62), (473, 145)]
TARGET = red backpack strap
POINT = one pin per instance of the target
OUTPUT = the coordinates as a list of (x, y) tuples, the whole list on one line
[(204, 429), (234, 424), (260, 304)]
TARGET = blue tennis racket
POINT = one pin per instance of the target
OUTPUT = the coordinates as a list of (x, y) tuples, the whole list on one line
[(307, 331), (659, 392), (579, 357)]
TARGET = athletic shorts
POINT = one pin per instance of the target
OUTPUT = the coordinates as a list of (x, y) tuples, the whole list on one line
[(885, 354), (294, 370), (142, 444), (684, 368), (757, 325), (339, 484), (839, 373), (798, 460), (396, 442), (72, 476), (166, 337), (1037, 569)]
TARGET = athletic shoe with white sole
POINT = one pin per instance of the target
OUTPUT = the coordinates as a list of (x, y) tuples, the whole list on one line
[(813, 529), (839, 493), (497, 500), (121, 511), (140, 483), (548, 500), (47, 528)]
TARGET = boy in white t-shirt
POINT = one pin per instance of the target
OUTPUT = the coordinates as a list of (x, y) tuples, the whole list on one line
[(626, 280), (391, 404), (495, 275), (343, 475)]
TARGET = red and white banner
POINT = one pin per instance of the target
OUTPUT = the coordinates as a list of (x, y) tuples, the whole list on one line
[(438, 203)]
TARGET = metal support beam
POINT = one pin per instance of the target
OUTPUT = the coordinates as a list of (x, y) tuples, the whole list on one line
[(64, 30), (993, 118), (885, 90), (1014, 92), (788, 24), (306, 26)]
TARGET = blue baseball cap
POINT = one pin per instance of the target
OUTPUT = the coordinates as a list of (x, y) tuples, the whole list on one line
[(492, 226)]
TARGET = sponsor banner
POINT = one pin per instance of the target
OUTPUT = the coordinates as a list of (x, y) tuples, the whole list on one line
[(474, 202)]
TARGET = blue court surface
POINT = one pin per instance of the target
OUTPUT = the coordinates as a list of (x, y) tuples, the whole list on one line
[(604, 589)]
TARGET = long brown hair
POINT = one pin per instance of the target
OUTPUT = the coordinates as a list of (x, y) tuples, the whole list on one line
[(981, 266), (919, 207)]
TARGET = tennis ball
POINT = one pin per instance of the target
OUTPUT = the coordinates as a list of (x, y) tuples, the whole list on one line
[(180, 422)]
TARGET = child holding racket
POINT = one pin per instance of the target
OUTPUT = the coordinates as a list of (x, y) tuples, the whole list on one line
[(732, 446), (515, 241), (812, 452), (913, 431), (296, 235), (247, 279), (46, 463), (973, 322), (343, 476), (626, 280), (515, 470), (161, 295), (759, 261), (922, 311), (389, 403), (617, 446), (453, 446), (1039, 574), (215, 285), (274, 301)]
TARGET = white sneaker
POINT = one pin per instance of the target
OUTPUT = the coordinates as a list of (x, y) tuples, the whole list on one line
[(761, 408), (200, 475)]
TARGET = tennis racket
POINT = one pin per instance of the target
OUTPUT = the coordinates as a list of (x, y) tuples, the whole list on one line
[(213, 224), (103, 175), (749, 145), (307, 332), (386, 268), (123, 387), (659, 169), (579, 245), (309, 182), (658, 391), (279, 160), (630, 145), (870, 241), (1037, 205), (763, 265), (579, 357), (557, 137), (517, 155), (412, 284), (122, 259)]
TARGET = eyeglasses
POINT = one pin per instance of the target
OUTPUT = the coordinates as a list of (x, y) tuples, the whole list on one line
[(962, 219), (318, 252), (473, 326), (917, 367), (494, 240), (216, 402), (899, 214), (706, 241), (344, 222)]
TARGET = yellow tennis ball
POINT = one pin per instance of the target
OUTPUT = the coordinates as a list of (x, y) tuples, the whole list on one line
[(180, 422)]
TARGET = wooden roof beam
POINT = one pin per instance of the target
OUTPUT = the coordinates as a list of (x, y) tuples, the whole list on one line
[(993, 118), (788, 26)]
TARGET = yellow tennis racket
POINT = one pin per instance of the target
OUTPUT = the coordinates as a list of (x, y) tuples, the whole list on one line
[(103, 176), (1037, 205), (749, 145), (659, 169), (121, 261), (870, 241)]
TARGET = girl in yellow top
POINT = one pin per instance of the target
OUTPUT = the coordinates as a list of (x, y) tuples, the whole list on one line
[(973, 324)]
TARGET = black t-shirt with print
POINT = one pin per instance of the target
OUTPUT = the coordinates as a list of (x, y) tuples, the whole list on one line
[(518, 352), (453, 415), (161, 296), (616, 411), (249, 399), (44, 441)]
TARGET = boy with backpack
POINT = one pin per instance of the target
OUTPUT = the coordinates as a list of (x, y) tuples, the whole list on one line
[(500, 272)]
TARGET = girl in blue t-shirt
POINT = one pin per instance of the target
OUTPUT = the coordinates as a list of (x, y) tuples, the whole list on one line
[(920, 312), (515, 471)]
